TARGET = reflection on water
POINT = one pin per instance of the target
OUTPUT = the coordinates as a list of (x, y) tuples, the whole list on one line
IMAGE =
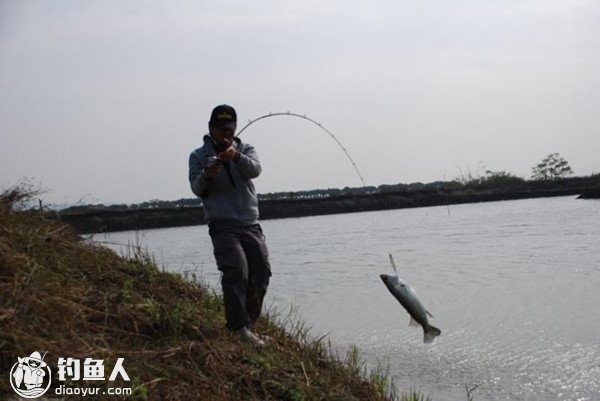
[(513, 286)]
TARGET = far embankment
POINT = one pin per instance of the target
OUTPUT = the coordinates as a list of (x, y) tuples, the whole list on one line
[(110, 219)]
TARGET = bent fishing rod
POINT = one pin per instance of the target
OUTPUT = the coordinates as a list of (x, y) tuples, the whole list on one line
[(317, 124)]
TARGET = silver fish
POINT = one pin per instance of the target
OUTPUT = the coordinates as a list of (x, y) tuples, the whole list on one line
[(409, 299)]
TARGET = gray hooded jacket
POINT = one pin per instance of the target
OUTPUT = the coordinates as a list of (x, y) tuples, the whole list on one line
[(228, 197)]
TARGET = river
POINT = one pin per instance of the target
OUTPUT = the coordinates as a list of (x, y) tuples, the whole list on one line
[(514, 286)]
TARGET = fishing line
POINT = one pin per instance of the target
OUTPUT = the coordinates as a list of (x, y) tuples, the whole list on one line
[(314, 122)]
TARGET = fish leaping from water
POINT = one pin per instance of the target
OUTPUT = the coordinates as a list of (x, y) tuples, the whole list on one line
[(409, 299)]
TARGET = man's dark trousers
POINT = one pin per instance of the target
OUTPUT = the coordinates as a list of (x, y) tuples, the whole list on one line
[(242, 256)]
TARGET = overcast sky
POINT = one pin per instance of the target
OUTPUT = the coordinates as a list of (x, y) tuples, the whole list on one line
[(102, 101)]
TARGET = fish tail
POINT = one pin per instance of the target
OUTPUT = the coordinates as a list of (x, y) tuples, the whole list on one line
[(430, 333)]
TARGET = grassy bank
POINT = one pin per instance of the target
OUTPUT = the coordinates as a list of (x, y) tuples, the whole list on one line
[(73, 299)]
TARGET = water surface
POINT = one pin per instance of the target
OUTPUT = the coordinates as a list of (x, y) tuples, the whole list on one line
[(513, 285)]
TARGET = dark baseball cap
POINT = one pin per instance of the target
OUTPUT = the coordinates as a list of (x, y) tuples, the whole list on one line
[(223, 116)]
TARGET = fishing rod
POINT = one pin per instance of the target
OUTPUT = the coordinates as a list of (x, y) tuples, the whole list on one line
[(314, 122)]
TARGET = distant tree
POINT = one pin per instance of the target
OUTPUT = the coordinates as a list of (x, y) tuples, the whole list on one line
[(551, 167), (500, 179), (469, 177), (118, 206)]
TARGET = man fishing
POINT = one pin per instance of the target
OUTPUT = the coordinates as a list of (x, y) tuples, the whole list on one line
[(221, 173)]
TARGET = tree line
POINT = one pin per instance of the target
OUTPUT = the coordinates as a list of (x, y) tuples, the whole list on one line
[(552, 167)]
